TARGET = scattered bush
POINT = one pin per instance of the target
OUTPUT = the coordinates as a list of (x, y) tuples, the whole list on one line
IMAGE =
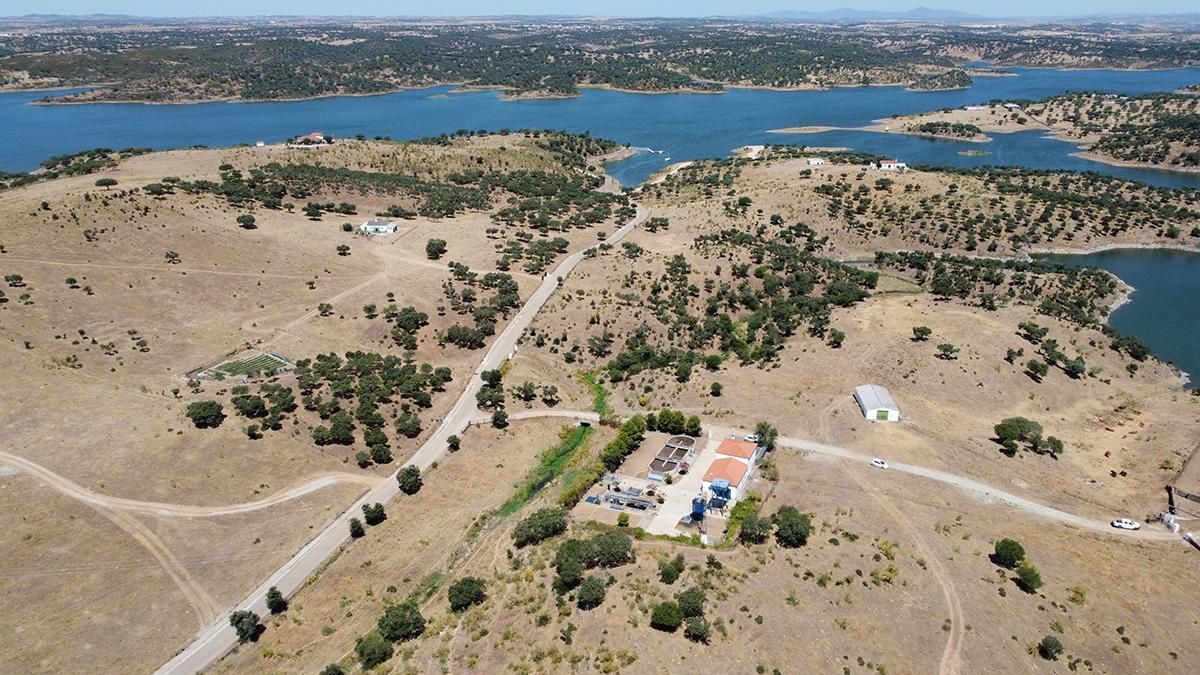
[(1028, 577), (669, 571), (1050, 648), (697, 629)]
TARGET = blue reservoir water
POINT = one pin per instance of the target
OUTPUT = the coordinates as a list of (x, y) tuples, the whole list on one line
[(677, 127), (1164, 311), (682, 126)]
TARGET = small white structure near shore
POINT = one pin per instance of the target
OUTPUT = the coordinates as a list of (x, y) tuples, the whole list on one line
[(892, 165), (377, 226), (816, 161), (876, 403)]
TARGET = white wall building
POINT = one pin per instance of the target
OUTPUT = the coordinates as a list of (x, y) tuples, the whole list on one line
[(377, 226), (876, 403), (892, 165), (816, 161)]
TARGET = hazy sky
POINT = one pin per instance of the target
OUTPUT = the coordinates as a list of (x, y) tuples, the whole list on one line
[(597, 7)]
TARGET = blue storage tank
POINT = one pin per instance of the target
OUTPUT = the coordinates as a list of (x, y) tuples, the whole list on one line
[(720, 488), (698, 508)]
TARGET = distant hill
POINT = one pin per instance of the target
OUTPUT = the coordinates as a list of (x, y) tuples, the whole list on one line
[(847, 14)]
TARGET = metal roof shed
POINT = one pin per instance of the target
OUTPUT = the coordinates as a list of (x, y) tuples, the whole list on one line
[(876, 403)]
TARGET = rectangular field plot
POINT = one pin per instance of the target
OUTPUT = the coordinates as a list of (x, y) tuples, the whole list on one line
[(252, 365)]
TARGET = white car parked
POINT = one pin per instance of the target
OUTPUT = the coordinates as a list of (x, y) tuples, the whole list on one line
[(879, 463), (753, 438), (1126, 524)]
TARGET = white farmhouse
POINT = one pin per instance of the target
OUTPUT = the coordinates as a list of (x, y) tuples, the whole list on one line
[(816, 161), (377, 226), (892, 165), (876, 403)]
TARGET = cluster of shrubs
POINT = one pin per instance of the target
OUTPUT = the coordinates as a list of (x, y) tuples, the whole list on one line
[(611, 456), (687, 610), (791, 527)]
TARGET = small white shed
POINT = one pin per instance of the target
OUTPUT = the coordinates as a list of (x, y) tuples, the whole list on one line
[(876, 403), (816, 161), (377, 226), (892, 165)]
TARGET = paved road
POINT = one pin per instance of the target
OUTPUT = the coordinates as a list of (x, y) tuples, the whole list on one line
[(218, 638)]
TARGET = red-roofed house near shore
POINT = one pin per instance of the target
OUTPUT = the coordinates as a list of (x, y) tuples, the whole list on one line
[(315, 138)]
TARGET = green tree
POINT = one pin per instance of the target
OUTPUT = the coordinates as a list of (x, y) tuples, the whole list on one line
[(499, 418), (767, 434), (921, 333), (356, 528), (1050, 648), (343, 250), (947, 351), (1028, 577), (1008, 553), (609, 549), (435, 248), (333, 669), (453, 443), (691, 601), (373, 514), (1017, 429), (206, 414), (754, 530), (793, 527), (466, 592), (408, 424), (836, 338), (692, 426), (276, 603), (526, 391), (1037, 369), (401, 622), (591, 593), (246, 221), (666, 617), (106, 182), (252, 406), (1075, 367), (539, 526), (409, 480), (247, 625), (716, 389), (372, 649)]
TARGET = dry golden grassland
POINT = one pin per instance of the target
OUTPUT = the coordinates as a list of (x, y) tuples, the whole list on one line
[(85, 401)]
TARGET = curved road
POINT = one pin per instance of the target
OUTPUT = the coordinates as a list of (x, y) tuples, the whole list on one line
[(77, 491), (219, 637)]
